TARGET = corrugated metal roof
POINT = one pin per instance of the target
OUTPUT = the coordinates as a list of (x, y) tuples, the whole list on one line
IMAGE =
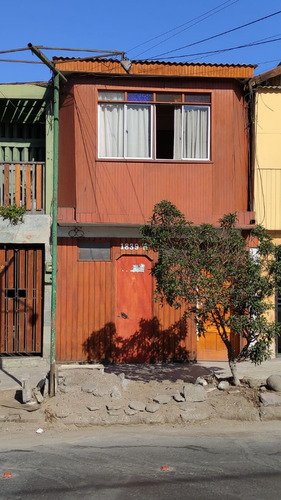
[(153, 68)]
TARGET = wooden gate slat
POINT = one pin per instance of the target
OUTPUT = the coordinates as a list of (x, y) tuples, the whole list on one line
[(22, 300), (9, 300), (28, 187), (17, 184), (38, 291), (2, 301), (29, 325), (6, 184), (38, 187)]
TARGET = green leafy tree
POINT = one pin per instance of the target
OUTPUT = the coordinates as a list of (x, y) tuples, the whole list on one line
[(211, 273)]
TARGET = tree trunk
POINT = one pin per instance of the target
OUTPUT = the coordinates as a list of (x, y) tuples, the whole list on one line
[(233, 369)]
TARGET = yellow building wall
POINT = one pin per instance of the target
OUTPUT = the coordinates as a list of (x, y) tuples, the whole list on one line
[(267, 182)]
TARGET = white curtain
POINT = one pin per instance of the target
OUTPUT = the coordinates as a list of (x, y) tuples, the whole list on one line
[(177, 134), (195, 132), (138, 132), (111, 128)]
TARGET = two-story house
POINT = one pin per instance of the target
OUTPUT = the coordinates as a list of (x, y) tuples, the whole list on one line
[(26, 177), (130, 138), (266, 97)]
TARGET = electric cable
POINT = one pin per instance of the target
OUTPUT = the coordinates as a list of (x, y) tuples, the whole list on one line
[(219, 34), (198, 20)]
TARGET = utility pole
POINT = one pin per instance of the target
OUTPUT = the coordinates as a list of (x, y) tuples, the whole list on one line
[(57, 76)]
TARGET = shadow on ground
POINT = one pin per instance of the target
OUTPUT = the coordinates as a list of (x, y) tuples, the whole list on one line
[(172, 372)]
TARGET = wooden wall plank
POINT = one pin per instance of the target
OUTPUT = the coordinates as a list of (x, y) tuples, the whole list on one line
[(39, 180), (3, 345), (86, 312), (28, 187)]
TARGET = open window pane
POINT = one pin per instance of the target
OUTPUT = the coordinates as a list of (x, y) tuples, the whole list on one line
[(164, 131), (138, 131), (111, 128)]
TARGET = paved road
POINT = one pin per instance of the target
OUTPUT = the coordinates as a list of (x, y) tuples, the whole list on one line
[(126, 463)]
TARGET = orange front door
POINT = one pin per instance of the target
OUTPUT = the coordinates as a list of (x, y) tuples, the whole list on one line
[(133, 309)]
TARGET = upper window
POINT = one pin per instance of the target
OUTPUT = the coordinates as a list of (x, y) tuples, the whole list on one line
[(154, 125)]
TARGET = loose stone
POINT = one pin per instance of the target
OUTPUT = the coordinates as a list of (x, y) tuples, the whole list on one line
[(270, 399), (194, 393), (113, 407), (162, 399), (223, 385), (178, 397), (137, 405), (274, 383), (93, 408), (151, 408), (130, 412), (201, 381), (114, 413)]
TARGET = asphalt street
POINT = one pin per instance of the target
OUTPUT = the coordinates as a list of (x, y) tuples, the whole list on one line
[(161, 462)]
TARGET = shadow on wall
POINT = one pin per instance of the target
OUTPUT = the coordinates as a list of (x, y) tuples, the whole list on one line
[(149, 344)]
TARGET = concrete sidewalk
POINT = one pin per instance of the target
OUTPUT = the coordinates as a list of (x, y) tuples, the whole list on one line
[(11, 377)]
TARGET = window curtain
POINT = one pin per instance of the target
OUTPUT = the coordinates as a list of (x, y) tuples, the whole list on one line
[(111, 127), (177, 134), (195, 132), (138, 132)]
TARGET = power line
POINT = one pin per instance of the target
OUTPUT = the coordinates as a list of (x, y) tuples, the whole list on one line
[(219, 34), (198, 20), (20, 61), (212, 52)]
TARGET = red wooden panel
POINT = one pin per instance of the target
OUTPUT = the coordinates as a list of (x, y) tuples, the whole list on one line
[(66, 173), (134, 309), (2, 301), (30, 315), (10, 284), (126, 191), (38, 278), (22, 299)]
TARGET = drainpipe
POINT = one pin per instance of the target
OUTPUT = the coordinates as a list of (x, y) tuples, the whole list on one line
[(57, 76)]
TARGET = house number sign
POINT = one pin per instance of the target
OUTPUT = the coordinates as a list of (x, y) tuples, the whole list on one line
[(132, 246)]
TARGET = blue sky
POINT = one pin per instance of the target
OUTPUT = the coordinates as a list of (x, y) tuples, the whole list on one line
[(144, 30)]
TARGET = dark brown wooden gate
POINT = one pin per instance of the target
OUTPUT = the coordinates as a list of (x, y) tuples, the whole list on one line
[(21, 299)]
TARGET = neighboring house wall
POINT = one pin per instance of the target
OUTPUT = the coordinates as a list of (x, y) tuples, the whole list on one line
[(26, 177), (267, 155)]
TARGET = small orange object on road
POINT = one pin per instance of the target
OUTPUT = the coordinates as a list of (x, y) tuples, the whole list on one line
[(165, 467), (7, 474)]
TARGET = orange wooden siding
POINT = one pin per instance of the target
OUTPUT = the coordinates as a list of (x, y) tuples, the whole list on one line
[(150, 68), (87, 312), (122, 191)]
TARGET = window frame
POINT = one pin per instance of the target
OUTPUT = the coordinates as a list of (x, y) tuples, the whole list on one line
[(181, 102)]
